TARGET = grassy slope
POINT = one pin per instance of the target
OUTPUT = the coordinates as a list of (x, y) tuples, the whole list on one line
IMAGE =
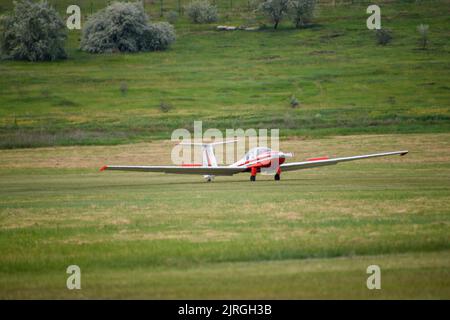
[(344, 81), (157, 236)]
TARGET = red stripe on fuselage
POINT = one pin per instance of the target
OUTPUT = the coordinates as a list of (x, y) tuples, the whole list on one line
[(267, 163), (317, 159), (260, 157)]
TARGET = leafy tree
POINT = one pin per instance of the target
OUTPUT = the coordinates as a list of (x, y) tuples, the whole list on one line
[(125, 27), (34, 32), (302, 11), (201, 11), (275, 10)]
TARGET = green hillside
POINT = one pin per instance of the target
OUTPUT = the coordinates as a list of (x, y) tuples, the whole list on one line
[(156, 236), (344, 81)]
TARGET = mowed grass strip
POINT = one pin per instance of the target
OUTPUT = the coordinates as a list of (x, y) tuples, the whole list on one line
[(344, 81), (156, 235), (403, 276)]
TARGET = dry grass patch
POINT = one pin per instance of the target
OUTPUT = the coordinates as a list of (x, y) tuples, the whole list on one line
[(423, 147)]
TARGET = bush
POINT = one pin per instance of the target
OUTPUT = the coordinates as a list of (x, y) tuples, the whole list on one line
[(275, 10), (123, 88), (33, 32), (294, 102), (302, 11), (201, 11), (165, 107), (124, 27), (172, 17), (118, 27), (383, 36), (158, 36)]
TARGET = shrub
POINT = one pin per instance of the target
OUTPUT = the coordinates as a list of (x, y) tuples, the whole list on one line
[(201, 11), (423, 32), (302, 11), (294, 102), (172, 17), (34, 32), (383, 36), (158, 36), (275, 10), (165, 107), (123, 88), (124, 27), (118, 27)]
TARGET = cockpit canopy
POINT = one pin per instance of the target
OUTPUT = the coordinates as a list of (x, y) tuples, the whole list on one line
[(255, 152)]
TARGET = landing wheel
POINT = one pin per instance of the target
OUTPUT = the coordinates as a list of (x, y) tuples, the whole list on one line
[(277, 177), (252, 178)]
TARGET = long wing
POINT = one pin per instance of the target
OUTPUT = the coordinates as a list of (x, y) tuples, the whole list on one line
[(217, 171), (319, 163)]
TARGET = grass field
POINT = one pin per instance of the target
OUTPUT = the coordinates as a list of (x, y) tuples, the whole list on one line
[(311, 235), (345, 83)]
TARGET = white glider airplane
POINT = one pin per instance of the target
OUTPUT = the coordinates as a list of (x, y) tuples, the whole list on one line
[(259, 159)]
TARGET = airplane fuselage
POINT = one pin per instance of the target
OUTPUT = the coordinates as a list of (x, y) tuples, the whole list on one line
[(258, 159)]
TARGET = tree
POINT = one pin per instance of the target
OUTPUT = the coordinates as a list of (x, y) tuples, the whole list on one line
[(275, 10), (423, 32), (302, 11), (125, 27), (201, 11), (34, 32)]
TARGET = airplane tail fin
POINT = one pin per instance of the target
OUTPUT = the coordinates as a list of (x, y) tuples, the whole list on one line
[(208, 156)]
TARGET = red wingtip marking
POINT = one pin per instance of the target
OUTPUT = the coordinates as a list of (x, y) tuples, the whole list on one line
[(103, 168)]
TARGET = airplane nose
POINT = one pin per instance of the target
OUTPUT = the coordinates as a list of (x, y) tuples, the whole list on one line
[(288, 155)]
